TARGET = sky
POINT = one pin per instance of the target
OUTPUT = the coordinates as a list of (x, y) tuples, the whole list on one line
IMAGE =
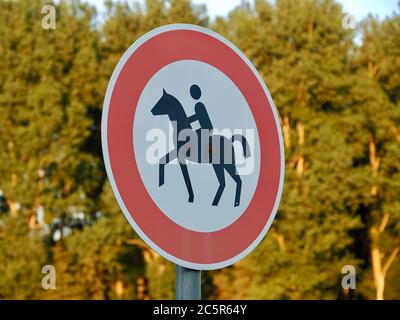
[(357, 8)]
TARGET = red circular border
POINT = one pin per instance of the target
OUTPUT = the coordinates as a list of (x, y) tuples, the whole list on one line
[(144, 62)]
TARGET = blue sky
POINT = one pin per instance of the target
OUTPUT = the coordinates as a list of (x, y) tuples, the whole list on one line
[(358, 8)]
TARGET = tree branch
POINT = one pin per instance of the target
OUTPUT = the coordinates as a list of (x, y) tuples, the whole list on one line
[(141, 244), (384, 222), (390, 260), (279, 239), (137, 242)]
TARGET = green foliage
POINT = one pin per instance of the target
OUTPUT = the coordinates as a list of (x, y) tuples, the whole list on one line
[(47, 87), (330, 109), (161, 276), (22, 256), (91, 261)]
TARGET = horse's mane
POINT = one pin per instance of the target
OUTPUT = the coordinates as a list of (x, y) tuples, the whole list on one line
[(179, 108)]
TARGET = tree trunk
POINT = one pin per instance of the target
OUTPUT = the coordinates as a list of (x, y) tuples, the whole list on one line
[(379, 276), (119, 288), (286, 132), (300, 137), (379, 268)]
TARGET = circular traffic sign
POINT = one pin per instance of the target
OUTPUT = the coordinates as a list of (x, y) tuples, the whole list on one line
[(193, 146)]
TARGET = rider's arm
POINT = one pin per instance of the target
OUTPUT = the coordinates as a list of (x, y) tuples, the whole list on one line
[(193, 118), (202, 115)]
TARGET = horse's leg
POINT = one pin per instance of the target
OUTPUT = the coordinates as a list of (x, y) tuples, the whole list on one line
[(232, 172), (189, 188), (163, 161), (219, 171), (161, 174)]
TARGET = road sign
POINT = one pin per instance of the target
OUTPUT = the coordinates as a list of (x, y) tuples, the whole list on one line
[(192, 146)]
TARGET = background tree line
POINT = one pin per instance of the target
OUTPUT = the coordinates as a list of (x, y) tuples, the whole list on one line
[(339, 102)]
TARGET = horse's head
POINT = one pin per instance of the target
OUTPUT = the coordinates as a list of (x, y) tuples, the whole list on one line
[(161, 107)]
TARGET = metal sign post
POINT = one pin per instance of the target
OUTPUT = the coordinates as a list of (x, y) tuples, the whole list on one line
[(187, 284)]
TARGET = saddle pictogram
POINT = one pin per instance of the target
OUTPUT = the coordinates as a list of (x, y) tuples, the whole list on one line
[(200, 146)]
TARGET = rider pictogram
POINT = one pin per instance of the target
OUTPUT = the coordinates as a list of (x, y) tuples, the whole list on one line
[(201, 146), (200, 110)]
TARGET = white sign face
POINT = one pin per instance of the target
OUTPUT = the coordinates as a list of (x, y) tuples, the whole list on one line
[(193, 146), (154, 138)]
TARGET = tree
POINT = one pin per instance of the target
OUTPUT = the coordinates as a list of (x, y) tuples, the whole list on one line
[(378, 59), (22, 256), (45, 96), (304, 55), (47, 88)]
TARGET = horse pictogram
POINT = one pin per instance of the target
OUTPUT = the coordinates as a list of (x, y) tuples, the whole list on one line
[(200, 146)]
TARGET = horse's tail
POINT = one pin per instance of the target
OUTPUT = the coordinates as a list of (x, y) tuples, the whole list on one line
[(245, 145)]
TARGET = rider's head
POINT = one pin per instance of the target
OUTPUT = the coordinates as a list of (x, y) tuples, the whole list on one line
[(195, 92)]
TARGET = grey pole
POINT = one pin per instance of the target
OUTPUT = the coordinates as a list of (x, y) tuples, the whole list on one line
[(187, 284)]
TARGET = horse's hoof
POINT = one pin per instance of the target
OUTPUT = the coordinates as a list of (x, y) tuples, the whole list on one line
[(191, 199), (237, 204)]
